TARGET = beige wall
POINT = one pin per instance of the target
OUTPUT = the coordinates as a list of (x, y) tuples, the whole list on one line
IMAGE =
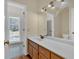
[(32, 23), (36, 23), (65, 21), (57, 26), (61, 23), (42, 24)]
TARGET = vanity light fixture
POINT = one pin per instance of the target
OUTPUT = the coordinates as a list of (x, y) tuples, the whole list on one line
[(50, 4), (63, 2), (43, 9), (52, 7)]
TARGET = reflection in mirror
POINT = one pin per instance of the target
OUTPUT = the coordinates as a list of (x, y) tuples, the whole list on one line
[(50, 24), (49, 28), (61, 24)]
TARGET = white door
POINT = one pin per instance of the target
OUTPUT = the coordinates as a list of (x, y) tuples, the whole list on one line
[(14, 31), (15, 46)]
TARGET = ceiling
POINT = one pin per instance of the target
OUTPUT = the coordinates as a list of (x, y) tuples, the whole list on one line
[(36, 5)]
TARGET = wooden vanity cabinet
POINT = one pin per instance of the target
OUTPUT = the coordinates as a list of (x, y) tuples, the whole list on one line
[(55, 56), (30, 50), (44, 53), (41, 56), (35, 54), (33, 49), (38, 52)]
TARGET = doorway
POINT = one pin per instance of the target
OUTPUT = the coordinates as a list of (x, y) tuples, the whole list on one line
[(14, 28)]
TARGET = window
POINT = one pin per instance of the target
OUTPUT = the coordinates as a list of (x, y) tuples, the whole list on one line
[(14, 28)]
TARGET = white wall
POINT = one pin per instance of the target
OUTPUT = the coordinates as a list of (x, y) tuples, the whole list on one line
[(71, 22)]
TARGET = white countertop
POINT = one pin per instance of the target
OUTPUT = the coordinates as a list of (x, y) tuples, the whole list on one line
[(60, 48)]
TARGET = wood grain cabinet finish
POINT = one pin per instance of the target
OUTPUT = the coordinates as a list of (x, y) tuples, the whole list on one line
[(38, 52), (41, 56), (33, 49), (35, 54), (33, 44), (45, 52), (30, 50), (55, 56)]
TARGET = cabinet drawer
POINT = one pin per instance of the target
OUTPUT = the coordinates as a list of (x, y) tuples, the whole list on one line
[(54, 56), (30, 50), (45, 52), (41, 56), (35, 54), (33, 44)]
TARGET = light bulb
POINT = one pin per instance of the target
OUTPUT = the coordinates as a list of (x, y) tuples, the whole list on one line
[(49, 5), (42, 10), (63, 3), (53, 7)]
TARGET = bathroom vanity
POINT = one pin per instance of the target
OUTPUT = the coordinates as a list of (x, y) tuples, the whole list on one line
[(49, 49), (39, 52)]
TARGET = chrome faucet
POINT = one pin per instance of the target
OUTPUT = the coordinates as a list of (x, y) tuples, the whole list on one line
[(41, 36)]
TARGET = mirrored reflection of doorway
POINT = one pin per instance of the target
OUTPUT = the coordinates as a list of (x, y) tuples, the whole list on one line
[(49, 27), (50, 24)]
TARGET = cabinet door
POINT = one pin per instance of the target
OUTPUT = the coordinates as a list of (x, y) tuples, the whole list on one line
[(41, 56), (45, 52), (30, 50), (35, 54), (54, 56)]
